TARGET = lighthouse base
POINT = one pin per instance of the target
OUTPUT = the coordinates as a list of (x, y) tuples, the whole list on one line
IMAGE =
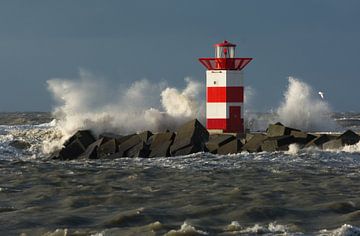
[(225, 125)]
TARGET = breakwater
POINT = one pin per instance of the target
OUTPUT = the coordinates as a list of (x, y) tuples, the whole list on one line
[(192, 137)]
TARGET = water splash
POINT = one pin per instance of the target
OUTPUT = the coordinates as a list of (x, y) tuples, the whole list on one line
[(303, 110), (88, 103)]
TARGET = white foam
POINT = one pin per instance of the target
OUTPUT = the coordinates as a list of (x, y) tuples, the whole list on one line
[(57, 232), (344, 230), (186, 229), (293, 149), (263, 229)]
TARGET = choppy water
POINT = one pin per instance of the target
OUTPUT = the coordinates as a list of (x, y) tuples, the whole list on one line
[(309, 192)]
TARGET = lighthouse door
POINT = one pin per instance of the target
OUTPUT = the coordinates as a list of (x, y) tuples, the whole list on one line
[(235, 119)]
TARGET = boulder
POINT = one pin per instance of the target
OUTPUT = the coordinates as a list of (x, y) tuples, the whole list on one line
[(127, 143), (190, 137), (139, 150), (107, 148), (91, 150), (218, 140), (278, 129), (83, 137), (277, 143), (145, 135), (160, 144), (254, 143), (318, 141), (347, 138), (108, 136), (76, 145), (134, 145), (248, 136), (19, 144), (333, 144), (233, 146), (187, 150), (302, 137)]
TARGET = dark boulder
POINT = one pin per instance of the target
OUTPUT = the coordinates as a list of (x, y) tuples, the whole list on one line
[(254, 143), (234, 146), (91, 150), (347, 138), (190, 137), (76, 145), (302, 137), (108, 136), (277, 143), (145, 135), (135, 145), (160, 144), (218, 140), (107, 148), (83, 137), (278, 129), (139, 150), (318, 141), (127, 143)]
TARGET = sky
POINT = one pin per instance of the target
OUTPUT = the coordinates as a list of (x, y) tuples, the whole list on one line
[(161, 40)]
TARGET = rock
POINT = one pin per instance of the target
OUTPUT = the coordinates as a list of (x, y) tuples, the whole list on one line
[(91, 150), (160, 144), (248, 136), (19, 144), (76, 145), (187, 150), (319, 141), (254, 143), (277, 143), (127, 143), (108, 136), (302, 137), (107, 148), (145, 135), (139, 150), (333, 144), (278, 129), (347, 138), (218, 140), (190, 137), (84, 138), (234, 146)]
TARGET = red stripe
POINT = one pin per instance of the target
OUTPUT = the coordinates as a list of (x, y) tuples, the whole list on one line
[(216, 123), (225, 94)]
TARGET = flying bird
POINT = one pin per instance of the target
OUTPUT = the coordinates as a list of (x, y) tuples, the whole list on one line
[(321, 94)]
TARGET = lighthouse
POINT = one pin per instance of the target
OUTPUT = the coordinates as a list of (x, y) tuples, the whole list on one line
[(225, 90)]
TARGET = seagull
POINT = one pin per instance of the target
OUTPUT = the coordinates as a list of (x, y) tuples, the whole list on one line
[(321, 94)]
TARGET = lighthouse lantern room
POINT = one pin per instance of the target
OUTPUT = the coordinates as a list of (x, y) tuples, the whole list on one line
[(224, 90)]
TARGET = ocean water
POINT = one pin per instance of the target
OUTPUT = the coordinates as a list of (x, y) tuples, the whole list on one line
[(300, 192)]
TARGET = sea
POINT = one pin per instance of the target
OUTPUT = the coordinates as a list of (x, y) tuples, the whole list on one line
[(298, 192)]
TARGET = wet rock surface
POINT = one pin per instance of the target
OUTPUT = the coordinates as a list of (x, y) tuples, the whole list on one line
[(193, 137)]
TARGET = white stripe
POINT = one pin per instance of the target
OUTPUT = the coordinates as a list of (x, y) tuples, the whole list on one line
[(220, 110), (223, 78)]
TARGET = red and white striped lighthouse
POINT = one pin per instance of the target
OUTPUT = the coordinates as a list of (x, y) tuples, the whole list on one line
[(224, 90)]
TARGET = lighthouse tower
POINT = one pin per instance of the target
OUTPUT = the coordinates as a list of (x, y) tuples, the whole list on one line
[(224, 90)]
